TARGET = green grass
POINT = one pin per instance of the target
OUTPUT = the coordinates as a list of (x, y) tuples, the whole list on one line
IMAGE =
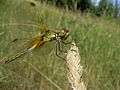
[(97, 39)]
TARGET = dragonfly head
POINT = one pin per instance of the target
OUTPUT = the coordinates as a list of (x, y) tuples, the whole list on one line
[(64, 33)]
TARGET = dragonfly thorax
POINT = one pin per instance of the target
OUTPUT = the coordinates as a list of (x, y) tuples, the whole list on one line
[(55, 35)]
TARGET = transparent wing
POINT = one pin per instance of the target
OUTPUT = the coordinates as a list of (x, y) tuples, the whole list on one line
[(14, 50), (19, 21), (24, 17)]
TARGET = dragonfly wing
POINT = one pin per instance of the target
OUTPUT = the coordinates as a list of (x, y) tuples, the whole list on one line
[(14, 57), (18, 49), (35, 43)]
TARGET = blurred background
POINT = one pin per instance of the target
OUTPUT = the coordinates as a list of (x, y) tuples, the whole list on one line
[(93, 24), (97, 7)]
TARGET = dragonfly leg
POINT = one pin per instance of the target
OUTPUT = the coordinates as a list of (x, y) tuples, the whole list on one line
[(60, 47), (57, 48)]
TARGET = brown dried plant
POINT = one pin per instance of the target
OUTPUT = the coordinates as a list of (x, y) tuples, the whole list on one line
[(75, 69)]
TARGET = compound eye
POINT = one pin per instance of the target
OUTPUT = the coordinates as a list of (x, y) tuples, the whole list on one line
[(64, 30)]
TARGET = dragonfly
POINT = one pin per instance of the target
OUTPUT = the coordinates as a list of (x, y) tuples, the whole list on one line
[(49, 36)]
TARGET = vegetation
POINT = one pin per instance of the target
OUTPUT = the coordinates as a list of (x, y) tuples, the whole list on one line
[(97, 39), (105, 7)]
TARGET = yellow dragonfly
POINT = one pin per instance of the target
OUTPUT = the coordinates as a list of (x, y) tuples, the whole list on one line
[(49, 36)]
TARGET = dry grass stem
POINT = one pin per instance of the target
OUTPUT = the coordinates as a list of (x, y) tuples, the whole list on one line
[(75, 69), (21, 24), (43, 75)]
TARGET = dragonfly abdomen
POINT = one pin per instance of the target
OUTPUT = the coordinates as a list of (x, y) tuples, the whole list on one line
[(16, 56), (36, 43)]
